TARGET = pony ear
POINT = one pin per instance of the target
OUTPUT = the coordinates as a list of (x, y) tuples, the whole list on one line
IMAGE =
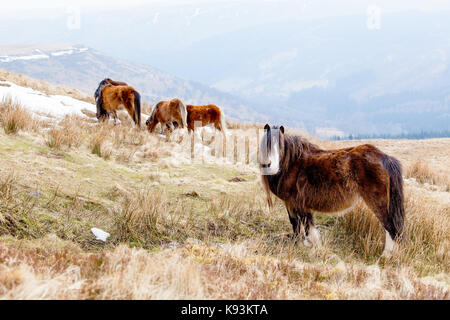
[(267, 127), (282, 129)]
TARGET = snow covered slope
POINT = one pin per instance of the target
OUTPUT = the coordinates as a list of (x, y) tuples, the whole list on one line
[(39, 102)]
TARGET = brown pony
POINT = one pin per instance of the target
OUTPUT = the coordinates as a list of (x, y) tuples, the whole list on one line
[(167, 112), (311, 180), (111, 95), (208, 114)]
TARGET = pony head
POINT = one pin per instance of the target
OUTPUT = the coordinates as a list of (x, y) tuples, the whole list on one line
[(149, 121), (100, 87), (271, 149)]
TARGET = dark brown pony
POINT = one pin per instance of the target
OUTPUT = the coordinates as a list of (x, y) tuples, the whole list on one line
[(311, 180), (166, 113), (207, 114), (111, 95)]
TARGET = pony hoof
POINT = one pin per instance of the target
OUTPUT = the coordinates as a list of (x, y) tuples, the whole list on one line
[(307, 243), (386, 254)]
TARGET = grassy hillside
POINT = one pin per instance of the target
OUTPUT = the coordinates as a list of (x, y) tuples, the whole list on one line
[(193, 229)]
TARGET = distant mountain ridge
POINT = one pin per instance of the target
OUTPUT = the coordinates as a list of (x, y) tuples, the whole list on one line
[(333, 72), (81, 67)]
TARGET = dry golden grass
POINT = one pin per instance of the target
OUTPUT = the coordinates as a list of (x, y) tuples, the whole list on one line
[(420, 171), (146, 108), (194, 271), (99, 145), (14, 117), (67, 133)]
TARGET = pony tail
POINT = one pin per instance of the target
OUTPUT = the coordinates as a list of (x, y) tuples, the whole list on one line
[(183, 112), (396, 210), (137, 108)]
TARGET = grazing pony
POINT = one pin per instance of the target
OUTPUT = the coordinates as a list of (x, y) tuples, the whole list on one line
[(167, 112), (111, 95), (311, 180)]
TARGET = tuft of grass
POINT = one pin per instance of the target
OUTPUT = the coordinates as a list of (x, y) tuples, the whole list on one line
[(55, 138), (14, 117), (67, 133), (420, 171), (99, 143)]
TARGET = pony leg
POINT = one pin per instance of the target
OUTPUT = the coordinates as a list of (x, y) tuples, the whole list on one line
[(163, 128), (293, 218), (312, 235), (104, 117), (381, 209), (130, 109), (170, 126), (389, 246)]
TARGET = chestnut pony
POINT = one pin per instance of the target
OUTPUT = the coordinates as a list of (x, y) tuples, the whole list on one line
[(111, 95), (207, 114), (311, 180), (204, 115), (166, 113)]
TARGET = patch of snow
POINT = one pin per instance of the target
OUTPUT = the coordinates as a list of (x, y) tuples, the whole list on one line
[(61, 53), (100, 234), (39, 55), (68, 51), (36, 101)]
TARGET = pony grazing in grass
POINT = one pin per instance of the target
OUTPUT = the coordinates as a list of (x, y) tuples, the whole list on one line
[(166, 113), (311, 180), (111, 96)]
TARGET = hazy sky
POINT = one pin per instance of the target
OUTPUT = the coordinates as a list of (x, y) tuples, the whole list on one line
[(331, 7)]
